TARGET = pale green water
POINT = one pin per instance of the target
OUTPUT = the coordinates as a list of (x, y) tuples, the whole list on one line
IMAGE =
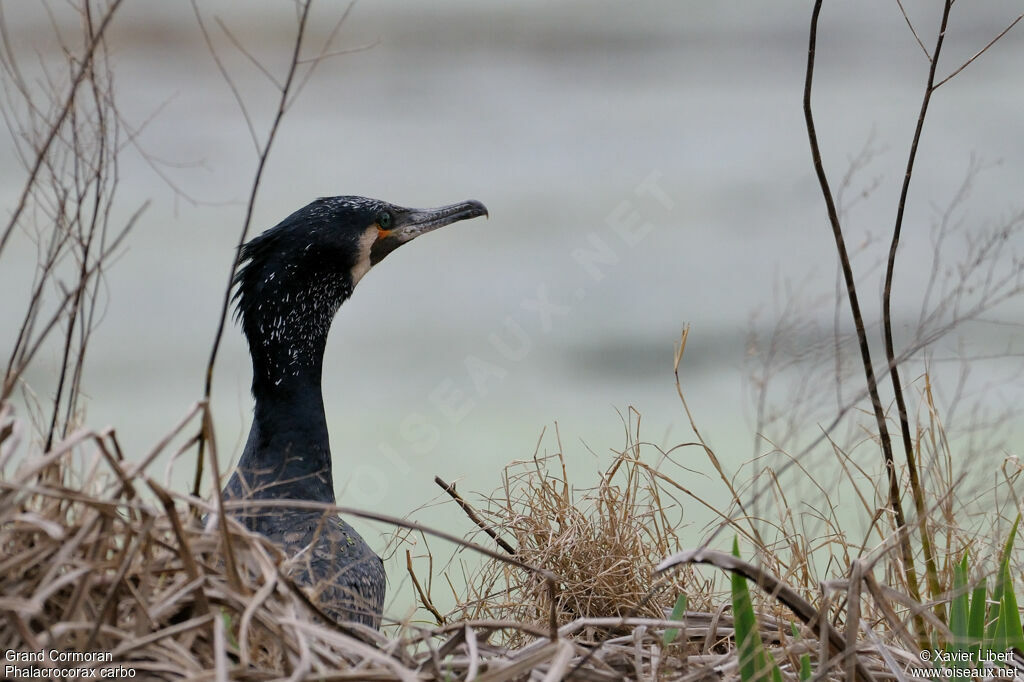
[(553, 115)]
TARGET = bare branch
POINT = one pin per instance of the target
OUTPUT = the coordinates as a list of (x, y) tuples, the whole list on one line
[(324, 50), (910, 25), (247, 222), (84, 68), (340, 53), (227, 78), (865, 352), (979, 52), (248, 55), (890, 353), (30, 347)]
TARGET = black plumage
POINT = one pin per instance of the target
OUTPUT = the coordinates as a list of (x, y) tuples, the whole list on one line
[(292, 280)]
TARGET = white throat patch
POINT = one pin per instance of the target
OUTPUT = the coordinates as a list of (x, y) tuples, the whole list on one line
[(362, 265)]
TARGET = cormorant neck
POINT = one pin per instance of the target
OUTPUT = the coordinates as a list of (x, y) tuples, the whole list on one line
[(288, 454), (287, 367)]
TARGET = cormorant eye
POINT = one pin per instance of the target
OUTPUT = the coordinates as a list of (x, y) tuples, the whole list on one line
[(384, 220)]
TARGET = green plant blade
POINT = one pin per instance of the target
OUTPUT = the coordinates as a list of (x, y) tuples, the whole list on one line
[(997, 592), (228, 621), (976, 620), (745, 624), (805, 659), (752, 657), (958, 611), (998, 640), (678, 610), (1009, 612)]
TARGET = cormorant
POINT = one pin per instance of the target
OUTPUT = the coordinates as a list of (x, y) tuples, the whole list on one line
[(291, 282)]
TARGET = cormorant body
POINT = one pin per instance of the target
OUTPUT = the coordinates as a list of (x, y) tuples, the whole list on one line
[(292, 280)]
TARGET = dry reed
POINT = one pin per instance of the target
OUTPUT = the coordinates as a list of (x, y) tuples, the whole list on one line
[(99, 557)]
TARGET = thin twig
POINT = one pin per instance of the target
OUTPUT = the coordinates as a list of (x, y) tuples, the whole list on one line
[(553, 610), (248, 55), (341, 53), (424, 598), (912, 30), (325, 52), (471, 513), (227, 78), (858, 318), (382, 518), (979, 52), (246, 223), (26, 352), (931, 572), (755, 533), (84, 69)]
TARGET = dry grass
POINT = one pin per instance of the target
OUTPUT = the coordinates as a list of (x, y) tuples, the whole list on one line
[(97, 556), (92, 563), (602, 543), (100, 557)]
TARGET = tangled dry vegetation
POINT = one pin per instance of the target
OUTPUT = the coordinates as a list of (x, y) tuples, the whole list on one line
[(602, 543), (98, 556)]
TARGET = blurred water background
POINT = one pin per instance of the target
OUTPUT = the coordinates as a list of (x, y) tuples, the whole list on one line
[(680, 119)]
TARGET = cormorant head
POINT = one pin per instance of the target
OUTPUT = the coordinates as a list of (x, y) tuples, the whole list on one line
[(294, 276)]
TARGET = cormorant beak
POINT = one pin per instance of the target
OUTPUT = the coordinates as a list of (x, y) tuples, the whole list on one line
[(409, 223)]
